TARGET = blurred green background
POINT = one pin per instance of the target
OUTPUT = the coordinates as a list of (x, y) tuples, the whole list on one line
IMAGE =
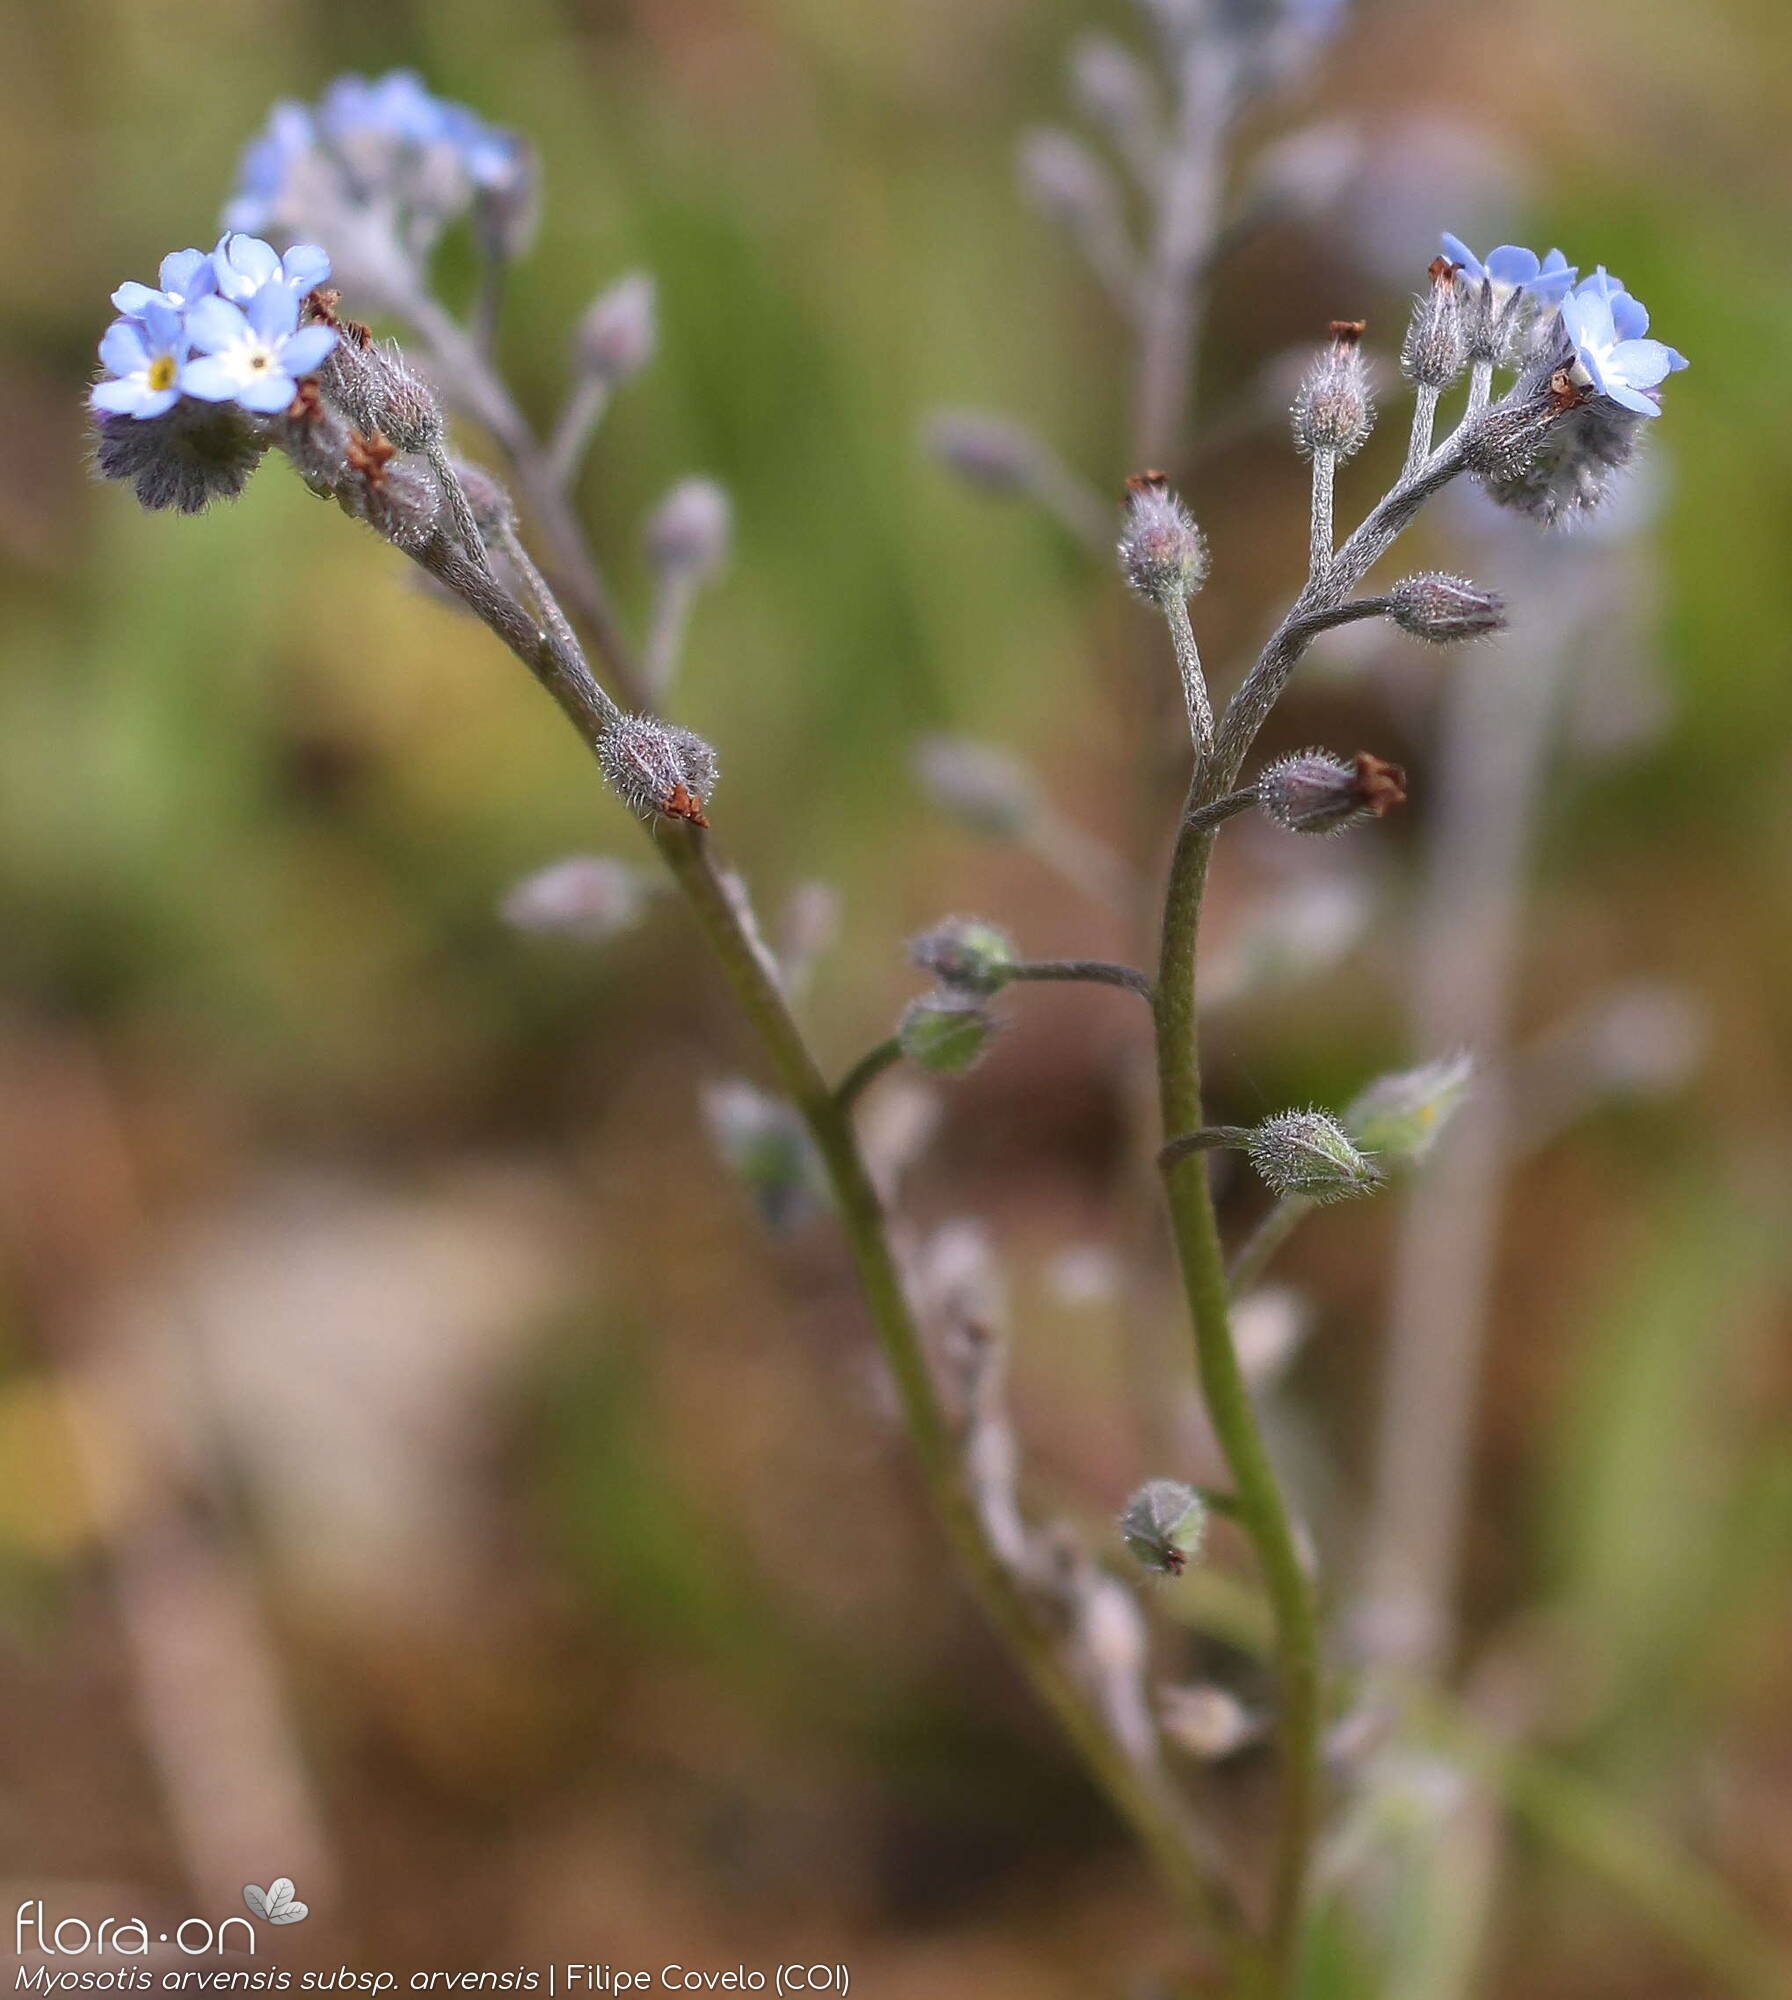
[(391, 1378)]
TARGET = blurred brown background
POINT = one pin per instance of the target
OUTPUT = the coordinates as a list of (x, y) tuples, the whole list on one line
[(420, 1474)]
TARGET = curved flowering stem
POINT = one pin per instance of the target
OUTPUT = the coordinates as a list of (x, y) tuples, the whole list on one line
[(865, 1072), (1092, 971)]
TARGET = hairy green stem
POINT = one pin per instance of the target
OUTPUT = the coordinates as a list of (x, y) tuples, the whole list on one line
[(1091, 971), (1223, 1388)]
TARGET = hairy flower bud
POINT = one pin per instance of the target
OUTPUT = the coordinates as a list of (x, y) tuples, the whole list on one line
[(1333, 412), (195, 454), (657, 767), (383, 395), (946, 1033), (986, 452), (1308, 1155), (1434, 351), (688, 532), (1398, 1117), (980, 786), (1162, 553), (620, 330), (966, 954), (1163, 1525), (1314, 792), (398, 499), (1443, 608), (588, 896), (494, 514)]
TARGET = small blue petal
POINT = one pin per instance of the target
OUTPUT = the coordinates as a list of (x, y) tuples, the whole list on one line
[(1630, 316), (1512, 264), (132, 298), (120, 398), (305, 267), (273, 311), (1638, 400), (215, 324), (1640, 363), (306, 349), (1458, 252), (244, 264), (267, 392), (122, 349), (211, 379)]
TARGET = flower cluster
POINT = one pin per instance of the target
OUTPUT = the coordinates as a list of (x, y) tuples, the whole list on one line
[(1516, 305), (378, 168), (222, 328)]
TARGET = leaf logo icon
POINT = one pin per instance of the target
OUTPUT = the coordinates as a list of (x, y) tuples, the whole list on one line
[(276, 1903)]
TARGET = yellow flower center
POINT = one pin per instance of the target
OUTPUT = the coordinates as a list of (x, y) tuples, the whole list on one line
[(161, 372)]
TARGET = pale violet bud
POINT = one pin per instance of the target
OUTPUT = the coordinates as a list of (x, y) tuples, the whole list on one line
[(946, 1033), (978, 785), (1308, 1155), (1163, 555), (1398, 1118), (1312, 791), (620, 330), (657, 767), (1444, 609), (1114, 91), (1333, 413), (1307, 170), (688, 532), (1208, 1722), (1163, 1525), (1434, 351), (1067, 183), (767, 1145), (990, 453), (589, 897), (966, 954), (507, 205)]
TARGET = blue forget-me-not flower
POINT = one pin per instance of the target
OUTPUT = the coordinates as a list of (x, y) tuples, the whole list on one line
[(1611, 354), (146, 358), (253, 355), (185, 275)]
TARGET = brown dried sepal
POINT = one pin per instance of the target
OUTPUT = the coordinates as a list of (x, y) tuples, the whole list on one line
[(1441, 271), (1380, 786), (1565, 393), (1148, 481), (323, 303), (684, 804), (1347, 332), (307, 403), (369, 457)]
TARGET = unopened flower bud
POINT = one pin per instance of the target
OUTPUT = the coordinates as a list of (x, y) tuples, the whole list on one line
[(1162, 552), (1113, 89), (1067, 183), (588, 896), (1549, 448), (1164, 1524), (620, 330), (688, 532), (1333, 412), (1443, 608), (1434, 351), (507, 204), (1314, 792), (966, 954), (1308, 1155), (1398, 1118), (493, 511), (982, 787), (946, 1033), (1208, 1722), (657, 767), (986, 452), (764, 1141), (384, 395)]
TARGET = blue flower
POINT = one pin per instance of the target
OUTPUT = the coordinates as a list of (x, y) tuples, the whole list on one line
[(145, 357), (282, 142), (186, 275), (1512, 269), (244, 265), (253, 355), (1607, 327), (393, 106)]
